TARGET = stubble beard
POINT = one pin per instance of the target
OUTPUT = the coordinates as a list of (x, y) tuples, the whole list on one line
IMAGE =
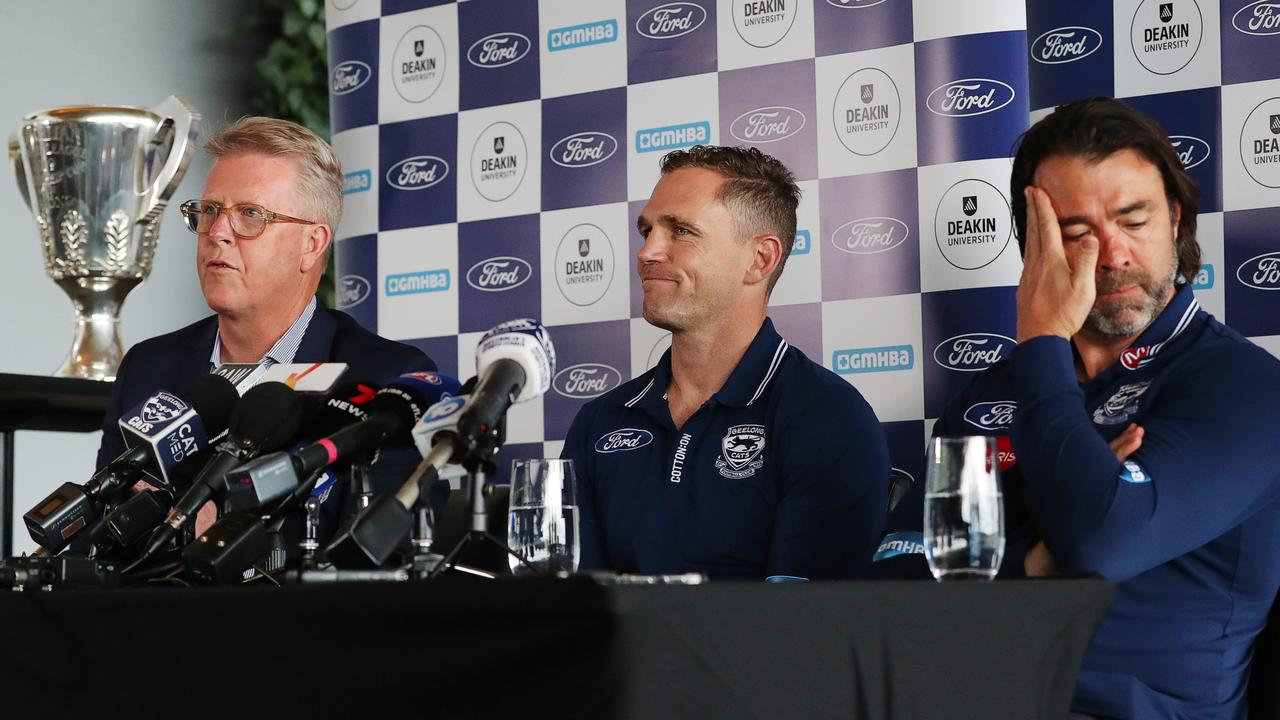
[(1130, 317)]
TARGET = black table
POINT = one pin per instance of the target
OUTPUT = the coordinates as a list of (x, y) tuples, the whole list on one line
[(553, 648), (38, 402)]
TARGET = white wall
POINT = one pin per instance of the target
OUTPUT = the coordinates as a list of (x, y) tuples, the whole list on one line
[(119, 52)]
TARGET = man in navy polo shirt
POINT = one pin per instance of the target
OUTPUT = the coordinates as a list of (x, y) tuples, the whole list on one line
[(1137, 433), (736, 456)]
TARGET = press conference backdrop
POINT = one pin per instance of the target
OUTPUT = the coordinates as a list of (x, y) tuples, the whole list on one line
[(497, 153)]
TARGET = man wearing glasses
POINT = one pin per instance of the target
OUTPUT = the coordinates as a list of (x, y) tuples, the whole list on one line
[(264, 227)]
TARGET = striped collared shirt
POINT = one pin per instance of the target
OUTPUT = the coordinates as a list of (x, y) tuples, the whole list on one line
[(284, 349)]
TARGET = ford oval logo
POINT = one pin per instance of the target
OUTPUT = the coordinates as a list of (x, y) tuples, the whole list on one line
[(1261, 272), (496, 274), (498, 50), (870, 235), (997, 415), (623, 440), (1191, 150), (969, 97), (417, 173), (586, 380), (352, 290), (1065, 44), (348, 77), (1258, 18), (583, 149), (972, 352), (767, 124), (671, 20)]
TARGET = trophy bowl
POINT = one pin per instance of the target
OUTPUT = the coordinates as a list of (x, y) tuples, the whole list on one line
[(96, 179)]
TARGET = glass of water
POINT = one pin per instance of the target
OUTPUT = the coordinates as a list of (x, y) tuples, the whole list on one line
[(542, 524), (963, 509)]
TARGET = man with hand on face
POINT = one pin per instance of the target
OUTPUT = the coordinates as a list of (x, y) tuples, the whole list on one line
[(736, 456), (264, 228), (1143, 430)]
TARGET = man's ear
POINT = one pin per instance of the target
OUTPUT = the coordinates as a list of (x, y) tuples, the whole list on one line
[(766, 254), (316, 244)]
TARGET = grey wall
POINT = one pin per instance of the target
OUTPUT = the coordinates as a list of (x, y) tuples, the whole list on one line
[(116, 52)]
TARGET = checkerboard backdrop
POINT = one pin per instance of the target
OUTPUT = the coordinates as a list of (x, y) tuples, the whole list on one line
[(498, 151)]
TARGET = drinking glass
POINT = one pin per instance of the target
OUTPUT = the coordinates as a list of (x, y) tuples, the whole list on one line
[(542, 524), (963, 509)]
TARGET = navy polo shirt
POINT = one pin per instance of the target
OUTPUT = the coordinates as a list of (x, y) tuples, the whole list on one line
[(1186, 527), (782, 472)]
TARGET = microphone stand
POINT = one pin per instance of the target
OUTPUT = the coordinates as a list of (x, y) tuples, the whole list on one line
[(479, 464)]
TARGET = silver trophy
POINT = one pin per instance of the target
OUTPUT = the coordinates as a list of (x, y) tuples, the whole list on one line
[(96, 179)]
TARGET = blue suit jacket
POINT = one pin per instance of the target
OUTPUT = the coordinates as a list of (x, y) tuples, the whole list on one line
[(172, 361)]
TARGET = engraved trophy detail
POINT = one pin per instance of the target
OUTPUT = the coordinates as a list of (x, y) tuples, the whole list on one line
[(96, 179)]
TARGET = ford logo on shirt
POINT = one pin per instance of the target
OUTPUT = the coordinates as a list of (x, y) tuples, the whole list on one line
[(348, 77), (972, 352), (968, 97), (1065, 44), (1191, 150), (583, 149), (671, 20), (996, 415), (417, 173), (496, 274), (498, 50), (623, 440), (586, 380), (1261, 272)]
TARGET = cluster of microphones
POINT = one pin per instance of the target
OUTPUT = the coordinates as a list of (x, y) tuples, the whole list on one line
[(265, 444)]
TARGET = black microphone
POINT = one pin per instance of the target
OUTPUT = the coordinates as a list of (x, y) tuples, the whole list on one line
[(266, 419), (178, 426), (391, 415), (514, 362)]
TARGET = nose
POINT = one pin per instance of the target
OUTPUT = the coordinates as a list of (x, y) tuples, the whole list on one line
[(221, 231), (1114, 249), (654, 248)]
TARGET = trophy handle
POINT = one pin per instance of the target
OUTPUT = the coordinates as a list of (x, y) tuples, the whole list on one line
[(15, 159), (185, 121)]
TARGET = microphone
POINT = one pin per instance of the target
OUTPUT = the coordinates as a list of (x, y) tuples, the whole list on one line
[(514, 362), (289, 475), (391, 415), (166, 428), (265, 419), (374, 533)]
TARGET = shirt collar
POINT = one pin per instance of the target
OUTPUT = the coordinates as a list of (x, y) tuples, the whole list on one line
[(747, 382), (1168, 325), (285, 348)]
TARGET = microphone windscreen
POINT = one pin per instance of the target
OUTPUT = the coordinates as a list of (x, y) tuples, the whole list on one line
[(213, 397), (268, 417)]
